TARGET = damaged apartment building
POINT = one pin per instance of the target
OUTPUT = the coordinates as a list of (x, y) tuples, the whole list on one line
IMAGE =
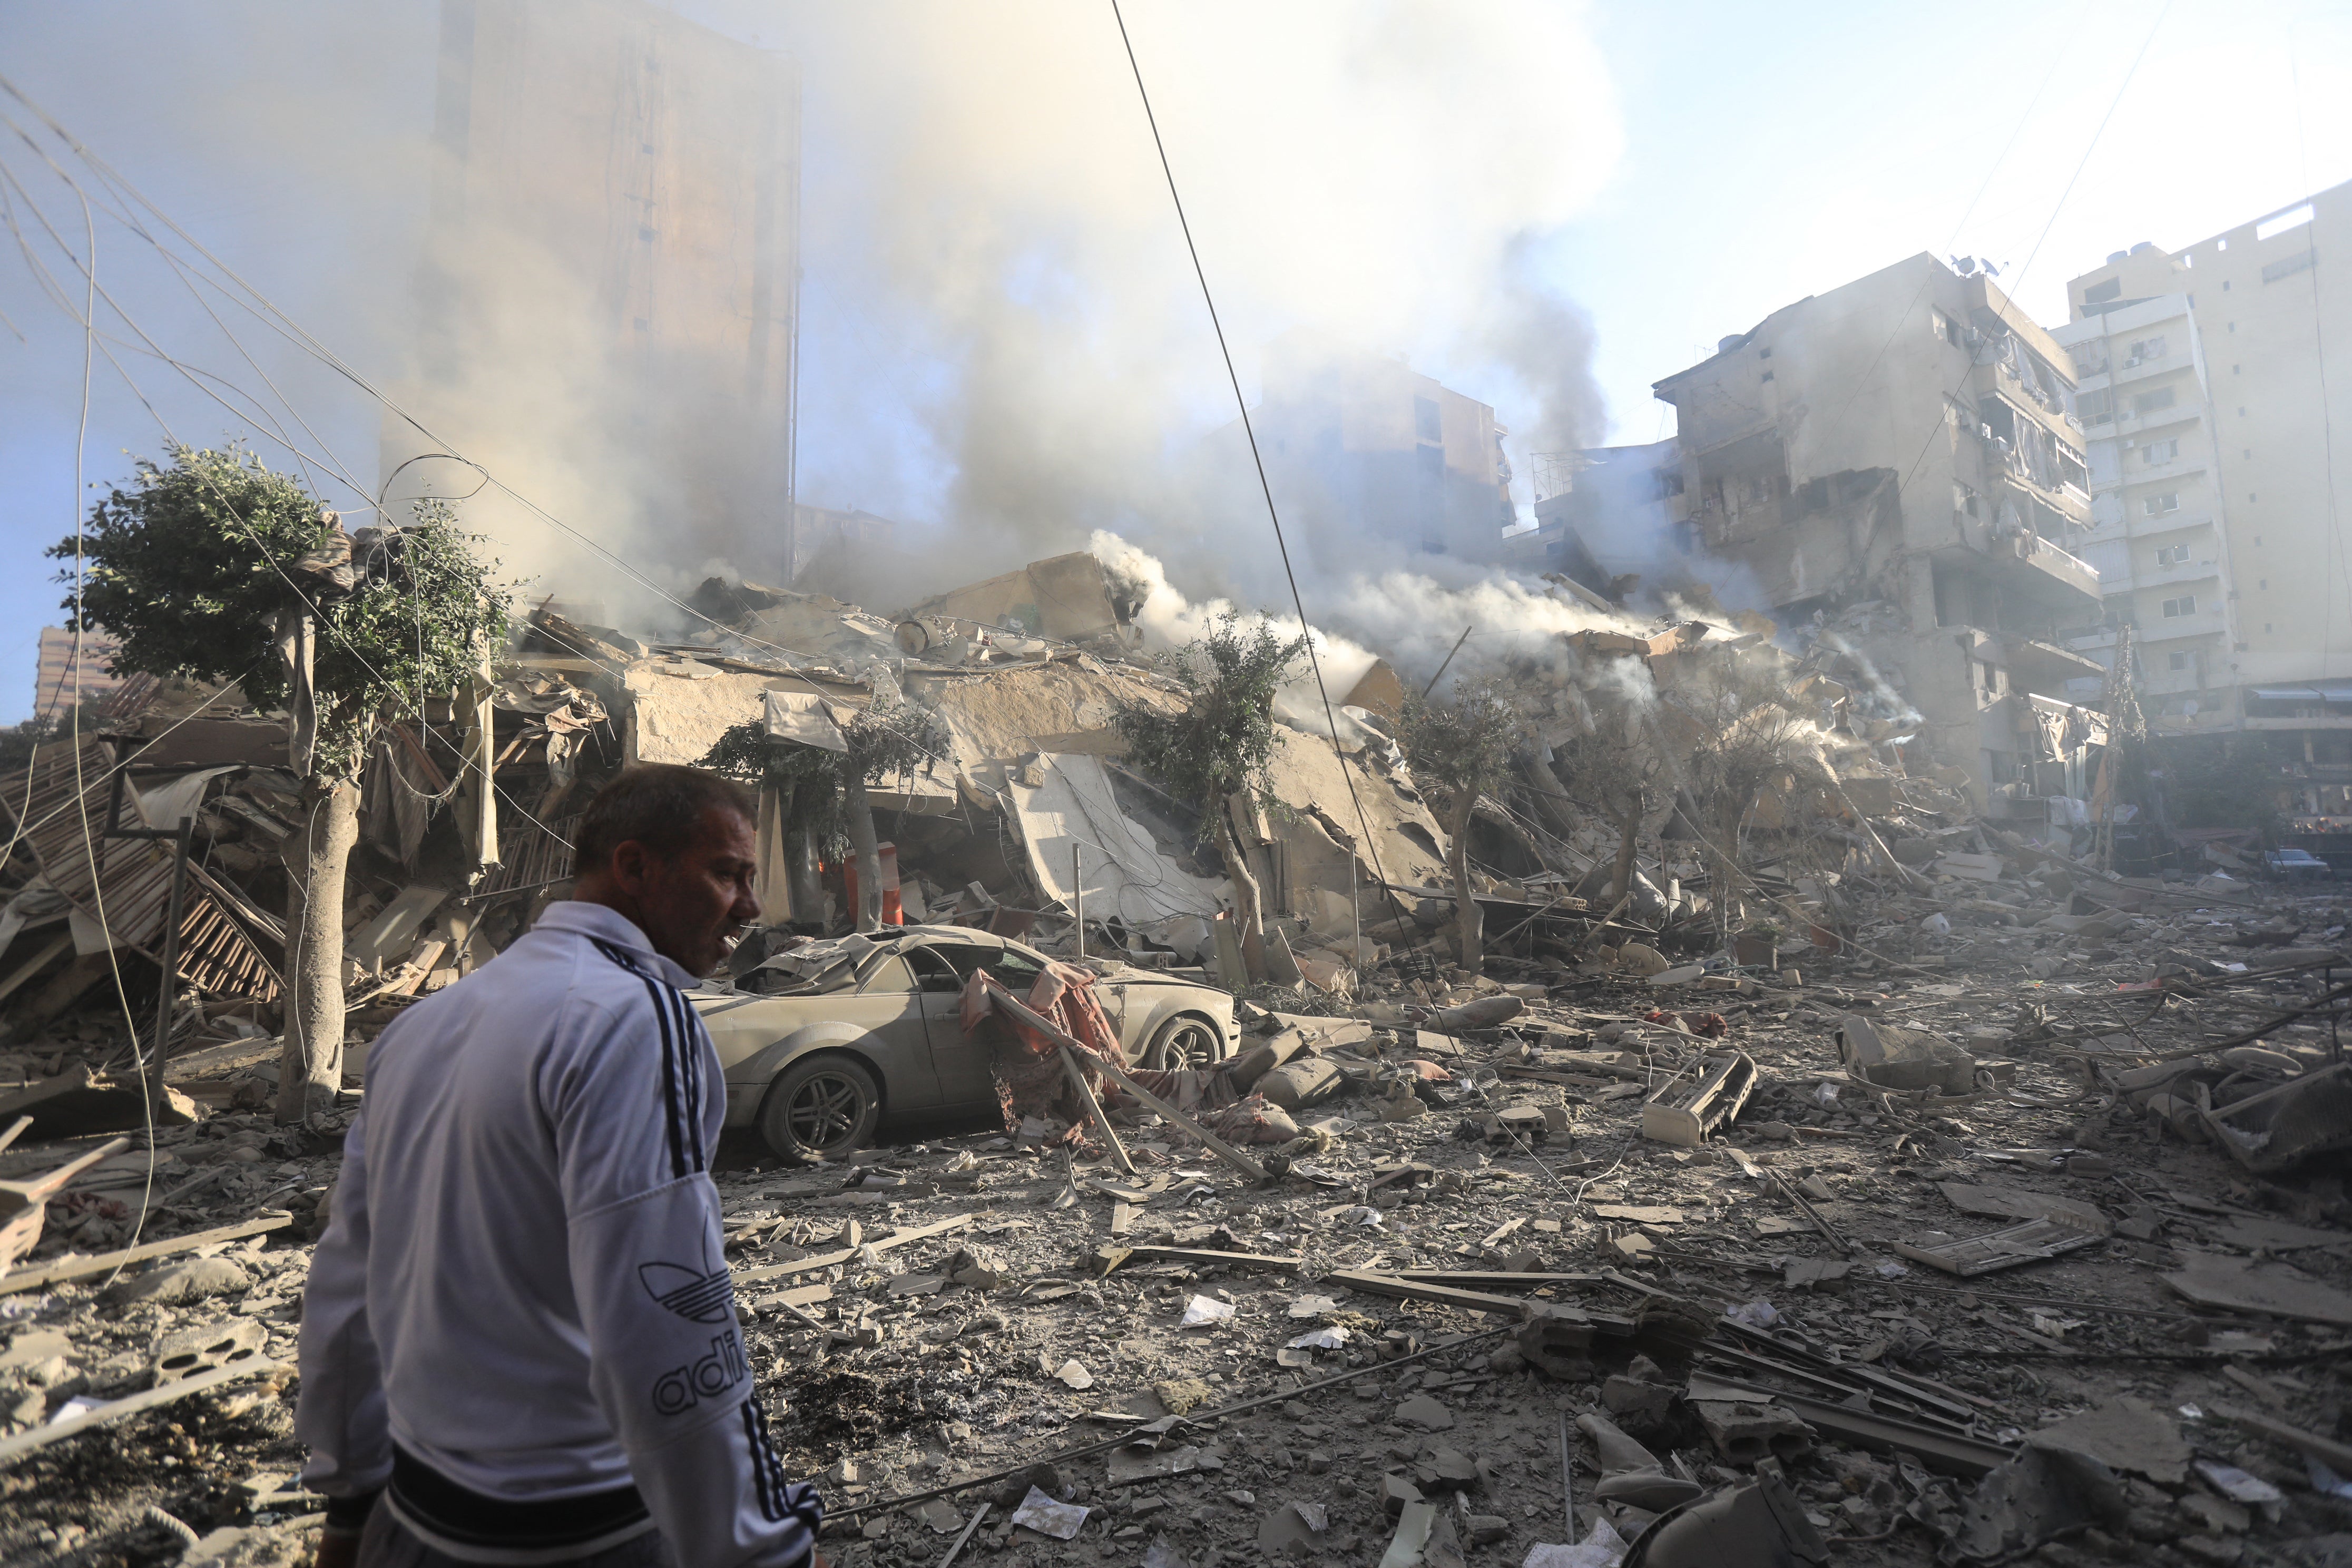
[(1896, 468)]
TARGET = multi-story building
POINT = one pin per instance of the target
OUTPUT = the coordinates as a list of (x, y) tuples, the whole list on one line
[(1367, 452), (61, 681), (2272, 302), (1908, 440), (2157, 503), (608, 286)]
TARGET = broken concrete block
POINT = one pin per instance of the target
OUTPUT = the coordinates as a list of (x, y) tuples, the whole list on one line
[(1744, 1433), (1293, 1524), (1445, 1470), (188, 1281), (1425, 1413), (1631, 1396), (185, 1352), (1397, 1494)]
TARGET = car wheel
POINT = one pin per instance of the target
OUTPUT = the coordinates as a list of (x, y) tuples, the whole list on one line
[(1187, 1040), (820, 1108)]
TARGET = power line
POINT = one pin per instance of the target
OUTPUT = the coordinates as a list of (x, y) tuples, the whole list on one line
[(1273, 515), (2060, 205)]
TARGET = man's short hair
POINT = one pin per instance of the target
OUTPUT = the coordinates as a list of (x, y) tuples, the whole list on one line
[(657, 805)]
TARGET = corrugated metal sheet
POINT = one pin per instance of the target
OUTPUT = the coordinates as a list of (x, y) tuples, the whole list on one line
[(125, 884)]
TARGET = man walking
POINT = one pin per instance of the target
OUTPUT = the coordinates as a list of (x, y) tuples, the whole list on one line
[(519, 1338)]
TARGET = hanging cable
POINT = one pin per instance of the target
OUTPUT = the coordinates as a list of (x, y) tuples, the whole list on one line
[(1265, 487)]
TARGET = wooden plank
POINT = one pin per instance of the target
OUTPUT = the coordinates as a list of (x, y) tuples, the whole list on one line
[(1476, 1279), (1402, 1289), (1502, 1230), (115, 1410), (827, 1259), (1094, 1109), (1206, 1256), (76, 1268)]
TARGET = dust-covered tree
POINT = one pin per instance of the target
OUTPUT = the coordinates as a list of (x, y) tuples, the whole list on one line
[(1460, 747), (1219, 745), (822, 793), (214, 568), (1613, 769)]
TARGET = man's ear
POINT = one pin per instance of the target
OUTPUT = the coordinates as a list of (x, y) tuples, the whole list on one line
[(626, 868)]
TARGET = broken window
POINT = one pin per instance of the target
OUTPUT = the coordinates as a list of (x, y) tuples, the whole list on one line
[(2172, 555), (2119, 611), (1964, 498), (2145, 349), (2162, 451), (2158, 506), (1428, 422), (2091, 358), (1943, 326)]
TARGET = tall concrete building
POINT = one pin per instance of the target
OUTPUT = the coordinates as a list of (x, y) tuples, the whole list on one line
[(2272, 304), (1901, 458), (2158, 505), (61, 680), (1367, 453), (608, 287)]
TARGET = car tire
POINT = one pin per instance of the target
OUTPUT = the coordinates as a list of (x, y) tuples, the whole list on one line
[(1186, 1040), (820, 1108)]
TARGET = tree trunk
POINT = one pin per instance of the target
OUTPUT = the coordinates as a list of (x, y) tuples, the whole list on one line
[(1246, 893), (1470, 920), (803, 874), (1629, 827), (860, 810), (310, 1064)]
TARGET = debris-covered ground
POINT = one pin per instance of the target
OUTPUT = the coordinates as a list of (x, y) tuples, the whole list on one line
[(1781, 1316)]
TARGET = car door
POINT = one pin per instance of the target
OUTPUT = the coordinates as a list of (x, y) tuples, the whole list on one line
[(889, 1007), (958, 1060)]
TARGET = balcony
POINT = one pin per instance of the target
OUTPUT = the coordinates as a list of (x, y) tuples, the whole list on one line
[(2173, 576), (2189, 465), (2062, 576), (2124, 372), (2139, 525), (2045, 668), (2208, 622)]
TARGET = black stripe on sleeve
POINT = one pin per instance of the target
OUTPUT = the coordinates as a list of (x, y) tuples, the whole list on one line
[(684, 1128), (767, 1471)]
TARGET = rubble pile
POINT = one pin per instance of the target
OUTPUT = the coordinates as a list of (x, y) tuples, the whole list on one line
[(1865, 1176)]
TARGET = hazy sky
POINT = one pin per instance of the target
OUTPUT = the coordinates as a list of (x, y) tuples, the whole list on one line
[(1729, 159)]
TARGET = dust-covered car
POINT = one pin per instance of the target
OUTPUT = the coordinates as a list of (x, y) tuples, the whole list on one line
[(821, 1041)]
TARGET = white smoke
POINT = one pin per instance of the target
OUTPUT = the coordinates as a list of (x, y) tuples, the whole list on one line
[(1030, 357)]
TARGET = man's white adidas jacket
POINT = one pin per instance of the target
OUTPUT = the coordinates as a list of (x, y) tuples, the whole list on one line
[(519, 1325)]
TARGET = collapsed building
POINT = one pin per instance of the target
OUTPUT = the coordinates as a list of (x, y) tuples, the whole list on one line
[(1895, 470), (1715, 1155)]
